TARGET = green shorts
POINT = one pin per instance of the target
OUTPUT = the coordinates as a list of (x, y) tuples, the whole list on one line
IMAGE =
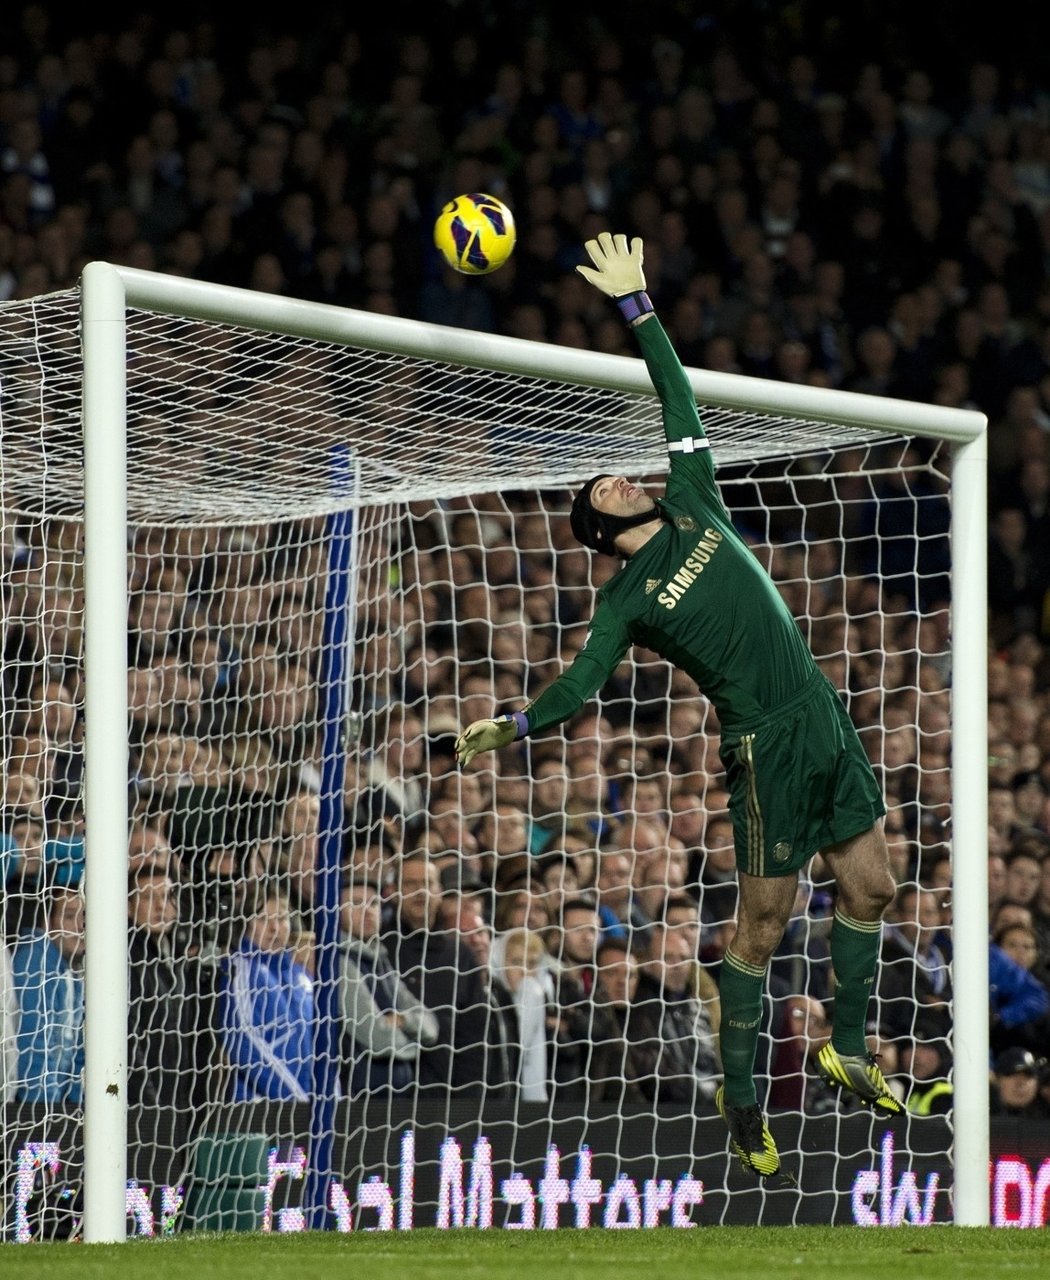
[(798, 782)]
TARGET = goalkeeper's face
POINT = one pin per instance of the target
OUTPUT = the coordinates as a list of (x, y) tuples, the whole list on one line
[(607, 506), (618, 496)]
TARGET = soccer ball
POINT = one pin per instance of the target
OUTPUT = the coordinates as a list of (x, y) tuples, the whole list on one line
[(475, 234)]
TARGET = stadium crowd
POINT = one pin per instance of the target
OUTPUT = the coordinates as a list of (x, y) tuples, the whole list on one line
[(866, 219)]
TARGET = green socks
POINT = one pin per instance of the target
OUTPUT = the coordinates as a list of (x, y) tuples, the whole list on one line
[(854, 959), (740, 989)]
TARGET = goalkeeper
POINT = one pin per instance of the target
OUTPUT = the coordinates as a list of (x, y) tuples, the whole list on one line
[(691, 590)]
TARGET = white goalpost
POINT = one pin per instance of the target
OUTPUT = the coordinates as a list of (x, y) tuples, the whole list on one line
[(367, 479)]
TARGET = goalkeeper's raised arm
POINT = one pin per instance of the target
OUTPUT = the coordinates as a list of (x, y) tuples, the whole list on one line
[(611, 514), (800, 782), (618, 273)]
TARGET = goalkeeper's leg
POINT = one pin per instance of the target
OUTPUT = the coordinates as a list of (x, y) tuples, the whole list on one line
[(762, 913), (861, 869)]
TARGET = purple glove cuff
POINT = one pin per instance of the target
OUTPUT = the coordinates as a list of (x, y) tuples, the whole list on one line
[(633, 305), (522, 721)]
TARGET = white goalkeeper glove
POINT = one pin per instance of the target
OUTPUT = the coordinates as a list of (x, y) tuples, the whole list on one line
[(487, 735), (617, 269)]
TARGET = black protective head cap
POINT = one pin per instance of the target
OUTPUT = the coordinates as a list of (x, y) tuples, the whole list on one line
[(596, 529), (585, 521)]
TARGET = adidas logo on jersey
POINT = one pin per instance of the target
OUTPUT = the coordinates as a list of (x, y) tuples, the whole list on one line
[(650, 585)]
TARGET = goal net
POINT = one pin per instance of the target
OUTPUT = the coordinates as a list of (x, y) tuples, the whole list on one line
[(368, 989)]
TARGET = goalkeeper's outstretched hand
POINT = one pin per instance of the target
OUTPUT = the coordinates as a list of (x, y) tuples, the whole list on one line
[(485, 735), (617, 269)]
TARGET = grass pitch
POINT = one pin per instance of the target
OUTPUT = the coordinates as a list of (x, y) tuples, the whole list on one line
[(722, 1253)]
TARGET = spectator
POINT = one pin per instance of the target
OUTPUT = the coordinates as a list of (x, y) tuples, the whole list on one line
[(267, 1005), (620, 914), (717, 872), (669, 1026), (296, 856), (1040, 908), (1015, 1086), (591, 790), (526, 976), (914, 976), (460, 885), (996, 881), (148, 846), (47, 969), (577, 1024), (618, 1062), (385, 1028), (660, 877), (1008, 914), (395, 772), (1002, 814), (644, 840), (452, 820), (801, 1027), (172, 1025), (1002, 754), (903, 853), (503, 838), (52, 724), (1017, 579), (924, 1073), (26, 156), (462, 915), (24, 864), (618, 972), (549, 810), (1030, 798), (214, 897), (441, 974), (519, 905), (556, 876), (1021, 944), (1023, 873), (575, 943), (1019, 1003), (802, 959)]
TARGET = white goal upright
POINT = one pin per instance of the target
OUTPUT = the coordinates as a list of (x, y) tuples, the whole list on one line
[(274, 552)]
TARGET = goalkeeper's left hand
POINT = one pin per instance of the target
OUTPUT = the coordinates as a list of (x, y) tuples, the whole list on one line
[(485, 735)]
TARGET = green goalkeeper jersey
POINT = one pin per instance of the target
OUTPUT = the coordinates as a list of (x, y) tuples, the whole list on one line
[(695, 593)]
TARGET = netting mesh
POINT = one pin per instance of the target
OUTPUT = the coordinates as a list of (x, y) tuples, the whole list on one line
[(508, 934), (227, 424)]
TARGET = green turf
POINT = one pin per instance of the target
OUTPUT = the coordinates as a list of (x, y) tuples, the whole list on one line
[(721, 1253)]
